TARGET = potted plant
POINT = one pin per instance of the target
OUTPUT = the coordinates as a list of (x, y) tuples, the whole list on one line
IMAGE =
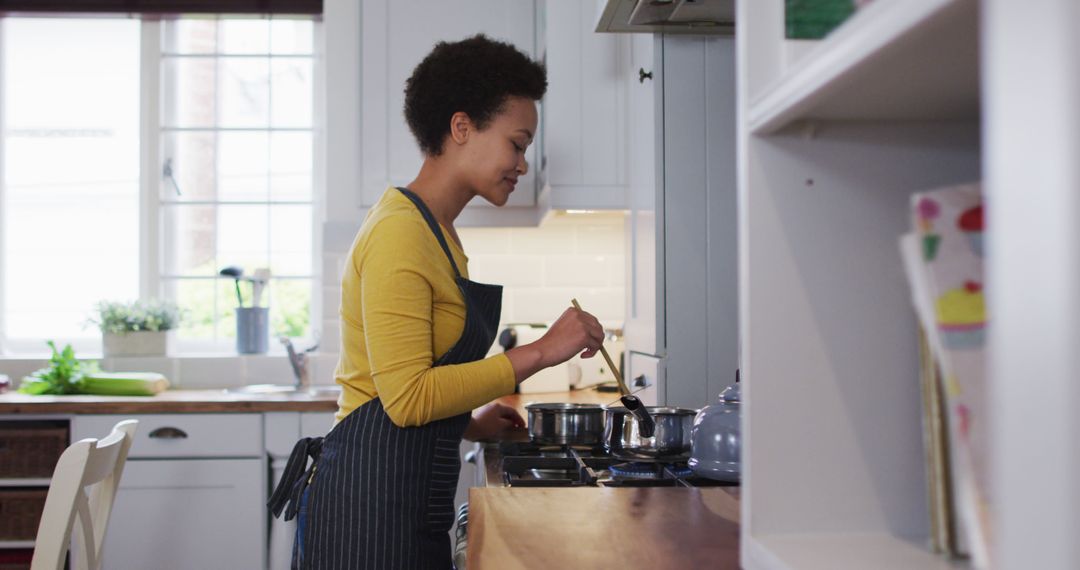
[(136, 329)]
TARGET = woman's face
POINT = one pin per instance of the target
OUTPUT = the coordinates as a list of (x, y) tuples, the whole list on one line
[(496, 155)]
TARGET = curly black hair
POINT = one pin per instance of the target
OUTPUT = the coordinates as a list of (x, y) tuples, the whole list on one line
[(475, 76)]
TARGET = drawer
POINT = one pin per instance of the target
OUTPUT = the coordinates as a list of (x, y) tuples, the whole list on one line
[(181, 435)]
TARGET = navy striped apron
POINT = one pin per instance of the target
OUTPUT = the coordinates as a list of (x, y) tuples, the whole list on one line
[(380, 496)]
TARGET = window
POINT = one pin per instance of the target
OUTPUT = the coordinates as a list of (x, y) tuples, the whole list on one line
[(70, 193), (223, 174)]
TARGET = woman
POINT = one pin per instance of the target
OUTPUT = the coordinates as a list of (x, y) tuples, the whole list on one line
[(415, 330)]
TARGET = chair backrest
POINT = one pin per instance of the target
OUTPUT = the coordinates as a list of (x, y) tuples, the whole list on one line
[(97, 464)]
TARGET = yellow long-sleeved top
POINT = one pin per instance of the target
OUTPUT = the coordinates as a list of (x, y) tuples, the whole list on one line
[(400, 311)]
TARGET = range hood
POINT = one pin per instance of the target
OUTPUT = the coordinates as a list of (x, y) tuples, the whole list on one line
[(668, 16)]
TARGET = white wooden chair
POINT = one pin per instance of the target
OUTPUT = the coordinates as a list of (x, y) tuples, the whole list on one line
[(92, 463)]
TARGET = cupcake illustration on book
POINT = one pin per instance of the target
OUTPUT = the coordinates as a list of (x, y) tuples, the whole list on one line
[(961, 316), (971, 224)]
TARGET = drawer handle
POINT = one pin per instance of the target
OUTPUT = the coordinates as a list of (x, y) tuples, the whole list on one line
[(168, 433)]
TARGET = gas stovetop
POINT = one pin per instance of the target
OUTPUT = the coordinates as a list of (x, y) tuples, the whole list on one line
[(530, 465)]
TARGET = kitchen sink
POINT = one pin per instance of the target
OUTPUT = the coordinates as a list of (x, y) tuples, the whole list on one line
[(284, 389)]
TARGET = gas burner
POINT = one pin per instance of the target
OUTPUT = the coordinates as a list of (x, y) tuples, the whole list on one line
[(681, 471), (635, 471)]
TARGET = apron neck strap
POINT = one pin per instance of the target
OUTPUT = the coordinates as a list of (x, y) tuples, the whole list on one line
[(433, 225)]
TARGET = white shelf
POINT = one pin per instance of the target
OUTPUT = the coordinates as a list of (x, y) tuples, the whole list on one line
[(8, 544), (894, 60), (841, 550), (25, 482)]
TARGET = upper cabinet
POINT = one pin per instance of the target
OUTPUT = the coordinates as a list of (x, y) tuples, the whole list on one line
[(581, 158), (585, 140), (395, 37)]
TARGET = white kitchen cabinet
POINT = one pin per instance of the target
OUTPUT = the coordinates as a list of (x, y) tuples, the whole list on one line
[(585, 126), (179, 514), (193, 492), (682, 298), (645, 377), (395, 36), (283, 430), (644, 312), (907, 95)]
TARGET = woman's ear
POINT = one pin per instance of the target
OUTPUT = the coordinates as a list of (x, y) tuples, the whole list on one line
[(461, 127)]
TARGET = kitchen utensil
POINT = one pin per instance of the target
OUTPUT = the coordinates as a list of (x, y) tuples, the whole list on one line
[(716, 438), (565, 423), (670, 439), (258, 283), (632, 402), (235, 273)]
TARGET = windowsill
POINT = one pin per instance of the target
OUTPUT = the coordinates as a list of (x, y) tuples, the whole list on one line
[(207, 370)]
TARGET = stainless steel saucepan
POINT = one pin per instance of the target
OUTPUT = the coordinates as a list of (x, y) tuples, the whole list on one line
[(670, 440), (565, 424)]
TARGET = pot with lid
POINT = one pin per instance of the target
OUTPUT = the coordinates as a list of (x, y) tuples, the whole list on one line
[(717, 438)]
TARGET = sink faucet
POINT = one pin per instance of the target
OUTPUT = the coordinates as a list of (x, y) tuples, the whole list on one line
[(298, 361)]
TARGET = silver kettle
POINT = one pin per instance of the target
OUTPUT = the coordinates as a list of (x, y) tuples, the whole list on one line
[(716, 439)]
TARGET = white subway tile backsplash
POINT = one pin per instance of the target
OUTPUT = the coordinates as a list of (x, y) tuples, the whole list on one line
[(607, 304), (268, 369), (484, 240), (332, 268), (330, 336), (554, 240), (160, 364), (578, 271), (16, 368), (541, 305), (506, 270), (331, 301), (321, 367), (211, 372), (601, 239)]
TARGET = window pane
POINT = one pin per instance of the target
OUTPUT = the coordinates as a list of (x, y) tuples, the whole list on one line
[(290, 307), (242, 166), (290, 240), (245, 92), (190, 240), (291, 36), (245, 36), (242, 237), (290, 166), (290, 81), (191, 35), (192, 157), (190, 97), (71, 151)]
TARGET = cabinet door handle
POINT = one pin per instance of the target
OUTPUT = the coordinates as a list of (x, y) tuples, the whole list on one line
[(643, 75), (470, 457), (640, 382), (168, 433)]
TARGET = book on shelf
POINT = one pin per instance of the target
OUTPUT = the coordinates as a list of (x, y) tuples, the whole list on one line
[(943, 259)]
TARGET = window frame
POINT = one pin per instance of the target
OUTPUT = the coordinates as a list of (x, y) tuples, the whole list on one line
[(151, 207)]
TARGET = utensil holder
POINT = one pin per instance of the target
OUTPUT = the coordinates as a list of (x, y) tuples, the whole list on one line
[(252, 330)]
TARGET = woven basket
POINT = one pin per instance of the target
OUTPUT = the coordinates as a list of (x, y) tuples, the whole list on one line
[(20, 513), (31, 452)]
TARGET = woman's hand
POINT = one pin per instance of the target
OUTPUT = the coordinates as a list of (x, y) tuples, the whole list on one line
[(575, 331), (492, 421)]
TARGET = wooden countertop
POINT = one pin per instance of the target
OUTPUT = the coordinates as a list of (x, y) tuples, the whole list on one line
[(217, 401), (656, 527), (168, 402)]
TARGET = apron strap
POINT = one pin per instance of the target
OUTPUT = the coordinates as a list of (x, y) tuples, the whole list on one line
[(296, 477), (434, 225)]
